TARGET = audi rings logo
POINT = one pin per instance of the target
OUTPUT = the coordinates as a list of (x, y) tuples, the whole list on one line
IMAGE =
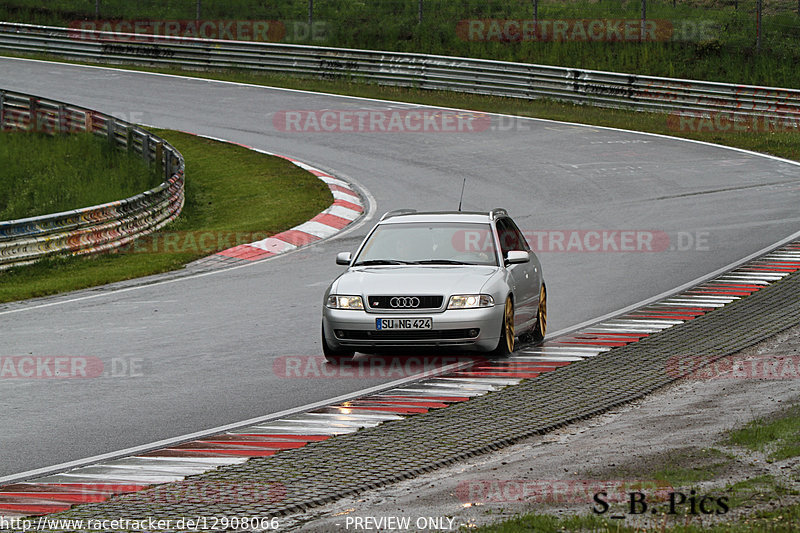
[(404, 302)]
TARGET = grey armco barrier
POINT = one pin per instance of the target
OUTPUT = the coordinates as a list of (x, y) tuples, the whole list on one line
[(102, 227), (497, 78)]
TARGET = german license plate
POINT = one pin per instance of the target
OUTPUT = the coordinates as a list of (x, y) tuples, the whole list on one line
[(402, 323)]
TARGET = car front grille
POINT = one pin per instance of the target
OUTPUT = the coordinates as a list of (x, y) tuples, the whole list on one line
[(425, 334), (405, 302)]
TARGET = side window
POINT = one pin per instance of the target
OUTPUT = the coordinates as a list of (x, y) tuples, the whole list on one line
[(507, 236), (522, 244)]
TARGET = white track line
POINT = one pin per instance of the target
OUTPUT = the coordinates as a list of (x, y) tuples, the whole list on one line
[(368, 215), (49, 470)]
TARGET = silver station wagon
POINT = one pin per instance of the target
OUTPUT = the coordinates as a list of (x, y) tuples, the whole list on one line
[(456, 279)]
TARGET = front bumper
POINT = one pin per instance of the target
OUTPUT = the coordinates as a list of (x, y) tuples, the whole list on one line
[(475, 328)]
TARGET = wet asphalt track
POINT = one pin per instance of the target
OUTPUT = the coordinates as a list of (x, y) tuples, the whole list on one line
[(205, 346)]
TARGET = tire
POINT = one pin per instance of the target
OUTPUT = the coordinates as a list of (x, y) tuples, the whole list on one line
[(335, 356), (505, 344), (537, 335)]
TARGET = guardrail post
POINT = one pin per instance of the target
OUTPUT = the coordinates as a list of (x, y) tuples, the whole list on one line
[(62, 119), (128, 138), (168, 165), (110, 135), (146, 148), (32, 114), (160, 157), (2, 110)]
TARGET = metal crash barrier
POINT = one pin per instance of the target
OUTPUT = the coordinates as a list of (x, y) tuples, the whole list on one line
[(477, 76), (92, 229)]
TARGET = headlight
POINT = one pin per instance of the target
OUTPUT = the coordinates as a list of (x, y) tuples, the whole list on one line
[(338, 301), (470, 301)]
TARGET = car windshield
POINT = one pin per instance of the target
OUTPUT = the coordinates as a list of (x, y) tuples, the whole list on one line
[(429, 243)]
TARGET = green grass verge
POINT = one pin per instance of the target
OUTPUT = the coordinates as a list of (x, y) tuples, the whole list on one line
[(778, 438), (232, 195), (701, 39), (45, 174), (756, 491)]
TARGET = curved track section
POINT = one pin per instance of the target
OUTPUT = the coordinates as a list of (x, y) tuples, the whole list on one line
[(346, 208), (172, 464), (208, 345)]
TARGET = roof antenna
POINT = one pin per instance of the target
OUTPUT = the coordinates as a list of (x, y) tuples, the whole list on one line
[(462, 194)]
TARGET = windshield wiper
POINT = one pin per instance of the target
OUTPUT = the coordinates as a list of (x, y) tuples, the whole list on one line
[(383, 262), (441, 262)]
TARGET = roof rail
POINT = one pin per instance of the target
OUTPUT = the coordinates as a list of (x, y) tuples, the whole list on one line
[(497, 212), (396, 212)]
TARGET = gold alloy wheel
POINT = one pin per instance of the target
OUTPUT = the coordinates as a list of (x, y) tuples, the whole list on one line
[(542, 311), (508, 320)]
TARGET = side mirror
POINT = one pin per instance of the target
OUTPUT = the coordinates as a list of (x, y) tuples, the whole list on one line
[(517, 256), (344, 258)]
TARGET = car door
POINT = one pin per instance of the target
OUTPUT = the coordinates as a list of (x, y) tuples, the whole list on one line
[(523, 277)]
